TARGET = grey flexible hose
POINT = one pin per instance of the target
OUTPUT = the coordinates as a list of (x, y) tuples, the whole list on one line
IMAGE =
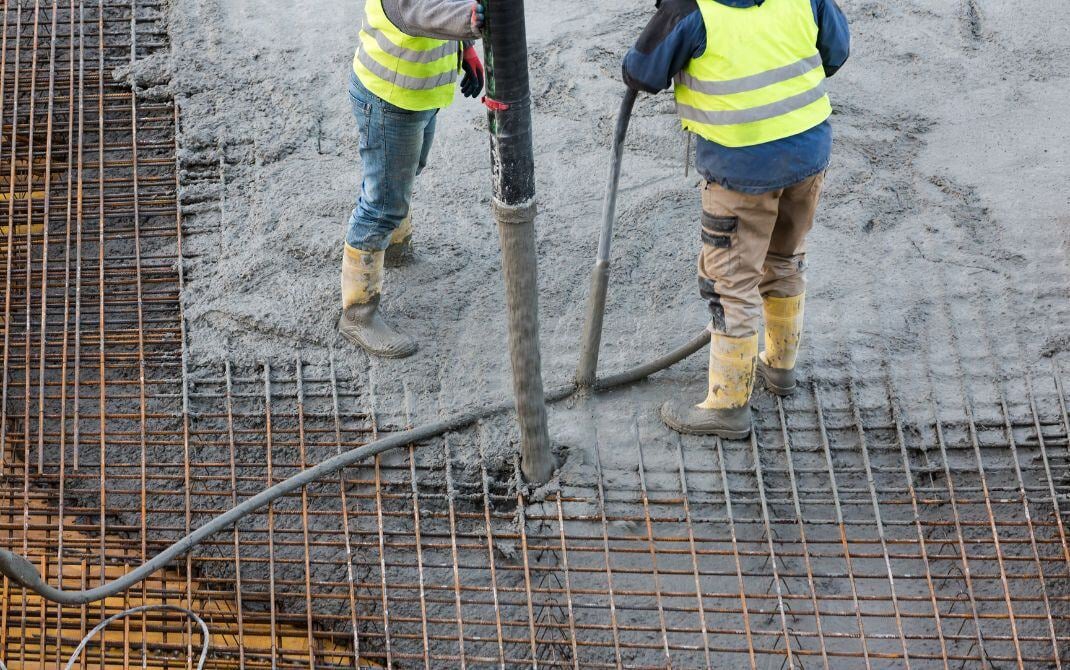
[(641, 372), (516, 230), (205, 634), (23, 573), (512, 143)]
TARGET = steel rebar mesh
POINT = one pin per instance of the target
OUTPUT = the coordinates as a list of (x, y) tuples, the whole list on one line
[(841, 535), (91, 320), (837, 535)]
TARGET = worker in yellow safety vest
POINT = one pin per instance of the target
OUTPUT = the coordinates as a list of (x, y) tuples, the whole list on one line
[(750, 82), (406, 67)]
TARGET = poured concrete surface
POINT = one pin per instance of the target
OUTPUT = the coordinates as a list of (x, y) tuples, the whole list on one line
[(946, 177)]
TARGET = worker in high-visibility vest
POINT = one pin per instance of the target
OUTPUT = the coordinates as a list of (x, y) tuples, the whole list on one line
[(749, 79), (410, 55)]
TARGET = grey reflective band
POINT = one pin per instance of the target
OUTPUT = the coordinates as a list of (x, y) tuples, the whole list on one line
[(402, 80), (410, 55), (753, 82), (737, 116)]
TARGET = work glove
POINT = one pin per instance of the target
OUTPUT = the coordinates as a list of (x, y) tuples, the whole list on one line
[(478, 16), (472, 84)]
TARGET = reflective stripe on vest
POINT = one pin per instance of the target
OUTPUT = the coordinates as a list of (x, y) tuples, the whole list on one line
[(761, 78), (411, 55), (753, 114), (414, 73)]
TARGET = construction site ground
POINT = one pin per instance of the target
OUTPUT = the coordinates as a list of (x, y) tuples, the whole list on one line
[(170, 349)]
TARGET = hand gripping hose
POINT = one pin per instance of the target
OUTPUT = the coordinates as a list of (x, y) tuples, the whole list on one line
[(22, 573)]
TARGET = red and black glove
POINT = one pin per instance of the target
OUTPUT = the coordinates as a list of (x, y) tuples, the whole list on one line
[(474, 76)]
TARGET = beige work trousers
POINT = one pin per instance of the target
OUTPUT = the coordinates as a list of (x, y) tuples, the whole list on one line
[(753, 246)]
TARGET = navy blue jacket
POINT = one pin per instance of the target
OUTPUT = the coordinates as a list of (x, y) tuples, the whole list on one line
[(677, 34)]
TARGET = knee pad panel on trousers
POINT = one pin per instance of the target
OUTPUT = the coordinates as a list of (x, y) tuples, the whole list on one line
[(719, 224), (707, 288)]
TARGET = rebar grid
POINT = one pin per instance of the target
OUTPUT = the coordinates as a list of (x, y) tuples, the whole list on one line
[(836, 536), (839, 536), (92, 327)]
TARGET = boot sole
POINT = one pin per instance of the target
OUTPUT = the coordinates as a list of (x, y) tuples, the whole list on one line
[(782, 391), (404, 353), (691, 430)]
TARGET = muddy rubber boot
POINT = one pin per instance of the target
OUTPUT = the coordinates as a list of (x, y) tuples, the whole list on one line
[(777, 381), (362, 321), (726, 410), (783, 337), (363, 325), (400, 252)]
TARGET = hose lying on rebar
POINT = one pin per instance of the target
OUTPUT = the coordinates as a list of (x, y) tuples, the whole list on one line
[(22, 573)]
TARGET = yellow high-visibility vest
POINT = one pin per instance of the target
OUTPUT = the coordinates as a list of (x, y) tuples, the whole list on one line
[(414, 73), (761, 77)]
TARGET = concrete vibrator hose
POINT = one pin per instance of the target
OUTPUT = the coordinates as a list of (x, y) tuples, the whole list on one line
[(22, 573)]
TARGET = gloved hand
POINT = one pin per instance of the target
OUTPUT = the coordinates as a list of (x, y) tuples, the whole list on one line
[(474, 77), (478, 16)]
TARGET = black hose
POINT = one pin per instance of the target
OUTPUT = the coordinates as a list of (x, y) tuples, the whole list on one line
[(513, 170), (505, 46)]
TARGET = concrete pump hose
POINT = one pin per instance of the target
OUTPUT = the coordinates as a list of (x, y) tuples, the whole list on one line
[(516, 230), (513, 171)]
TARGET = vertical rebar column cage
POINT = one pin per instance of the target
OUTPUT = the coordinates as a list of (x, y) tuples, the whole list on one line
[(861, 527)]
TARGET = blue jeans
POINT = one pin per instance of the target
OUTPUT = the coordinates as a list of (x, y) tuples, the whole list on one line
[(394, 144)]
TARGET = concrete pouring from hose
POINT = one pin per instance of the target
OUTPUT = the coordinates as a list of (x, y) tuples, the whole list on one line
[(513, 172)]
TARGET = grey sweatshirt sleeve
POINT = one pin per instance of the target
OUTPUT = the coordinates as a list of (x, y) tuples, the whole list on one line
[(440, 19)]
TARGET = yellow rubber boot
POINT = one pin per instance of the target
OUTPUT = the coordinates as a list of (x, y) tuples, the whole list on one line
[(726, 410), (362, 322), (783, 337), (731, 371), (400, 252), (362, 276)]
